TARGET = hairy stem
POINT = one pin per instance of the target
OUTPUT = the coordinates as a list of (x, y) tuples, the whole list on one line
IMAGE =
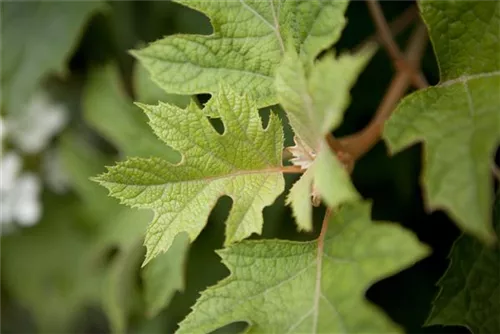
[(399, 60)]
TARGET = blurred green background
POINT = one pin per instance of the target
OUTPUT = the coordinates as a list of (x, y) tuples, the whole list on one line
[(71, 256)]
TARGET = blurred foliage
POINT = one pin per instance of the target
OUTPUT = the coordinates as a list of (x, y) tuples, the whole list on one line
[(79, 269)]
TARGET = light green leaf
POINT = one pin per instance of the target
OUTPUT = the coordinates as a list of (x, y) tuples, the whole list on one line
[(332, 180), (315, 100), (315, 103), (110, 111), (246, 46), (458, 120), (38, 38), (163, 276), (243, 163), (287, 287), (299, 198), (470, 288)]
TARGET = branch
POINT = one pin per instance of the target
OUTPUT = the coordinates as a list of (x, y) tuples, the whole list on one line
[(392, 48), (290, 169), (360, 143), (396, 26)]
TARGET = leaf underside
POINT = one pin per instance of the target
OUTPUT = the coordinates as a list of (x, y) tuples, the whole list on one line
[(243, 163), (246, 46)]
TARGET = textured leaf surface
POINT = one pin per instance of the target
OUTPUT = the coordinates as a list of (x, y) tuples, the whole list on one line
[(40, 36), (243, 163), (315, 102), (459, 119), (287, 287), (246, 46), (470, 289)]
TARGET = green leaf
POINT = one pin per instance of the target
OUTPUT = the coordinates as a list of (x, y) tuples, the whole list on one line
[(470, 288), (40, 270), (315, 102), (40, 36), (246, 46), (458, 120), (162, 277), (110, 111), (146, 91), (115, 228), (288, 287), (243, 163)]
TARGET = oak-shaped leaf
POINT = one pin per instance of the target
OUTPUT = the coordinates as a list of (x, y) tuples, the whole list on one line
[(315, 101), (247, 45), (243, 163), (459, 119), (279, 286), (470, 288)]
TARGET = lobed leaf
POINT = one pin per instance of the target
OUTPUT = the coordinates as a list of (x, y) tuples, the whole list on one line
[(288, 287), (458, 120), (243, 163), (246, 46)]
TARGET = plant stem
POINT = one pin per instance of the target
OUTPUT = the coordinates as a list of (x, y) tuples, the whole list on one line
[(319, 266), (360, 143), (291, 169), (396, 26), (384, 32), (324, 228)]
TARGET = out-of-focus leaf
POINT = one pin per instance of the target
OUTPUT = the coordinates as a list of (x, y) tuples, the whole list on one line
[(470, 288), (111, 112), (37, 38), (163, 276), (458, 120)]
